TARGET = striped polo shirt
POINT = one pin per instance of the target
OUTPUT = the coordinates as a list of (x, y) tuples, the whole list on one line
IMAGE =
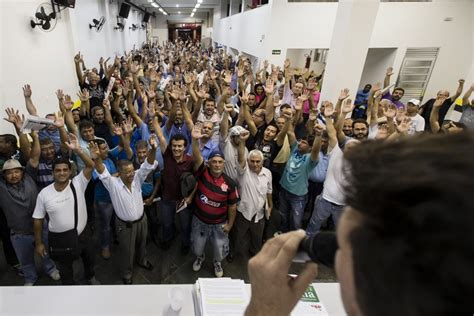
[(213, 196)]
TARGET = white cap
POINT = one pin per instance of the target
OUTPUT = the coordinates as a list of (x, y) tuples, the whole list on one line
[(414, 102)]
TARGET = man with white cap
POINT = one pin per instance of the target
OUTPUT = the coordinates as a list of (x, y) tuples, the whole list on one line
[(417, 121), (18, 192)]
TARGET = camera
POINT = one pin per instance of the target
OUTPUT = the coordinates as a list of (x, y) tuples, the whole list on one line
[(320, 248)]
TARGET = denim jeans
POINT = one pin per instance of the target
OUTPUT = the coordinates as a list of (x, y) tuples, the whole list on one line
[(105, 210), (168, 212), (322, 210), (201, 232), (24, 246), (291, 210)]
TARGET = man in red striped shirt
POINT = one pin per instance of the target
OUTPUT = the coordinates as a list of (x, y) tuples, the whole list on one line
[(215, 209)]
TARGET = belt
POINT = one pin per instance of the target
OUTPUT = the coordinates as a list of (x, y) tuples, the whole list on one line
[(130, 223)]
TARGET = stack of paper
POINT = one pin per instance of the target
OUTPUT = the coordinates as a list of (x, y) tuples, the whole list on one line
[(35, 123), (220, 297)]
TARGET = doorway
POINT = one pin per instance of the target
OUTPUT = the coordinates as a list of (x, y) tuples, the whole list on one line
[(185, 32)]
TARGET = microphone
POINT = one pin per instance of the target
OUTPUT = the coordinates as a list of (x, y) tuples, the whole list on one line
[(320, 248)]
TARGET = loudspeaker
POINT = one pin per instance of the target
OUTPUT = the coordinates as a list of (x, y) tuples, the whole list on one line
[(66, 3), (146, 17), (124, 10)]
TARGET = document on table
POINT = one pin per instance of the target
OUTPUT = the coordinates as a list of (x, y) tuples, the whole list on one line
[(309, 304), (221, 297)]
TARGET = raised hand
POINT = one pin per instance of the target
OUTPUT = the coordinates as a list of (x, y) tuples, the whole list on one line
[(439, 101), (60, 94), (27, 91), (303, 97), (94, 150), (127, 125), (187, 78), (117, 130), (150, 93), (73, 143), (14, 118), (153, 143), (404, 125), (389, 71), (228, 108), (461, 81), (269, 87), (287, 63), (196, 132), (318, 129), (68, 104), (83, 95), (347, 106), (134, 67), (240, 71), (245, 98), (328, 110), (78, 57), (227, 77), (344, 94), (125, 88), (59, 119), (390, 112), (244, 135)]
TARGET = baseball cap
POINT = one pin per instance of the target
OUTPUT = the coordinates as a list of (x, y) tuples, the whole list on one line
[(414, 102), (11, 164), (236, 130), (216, 153)]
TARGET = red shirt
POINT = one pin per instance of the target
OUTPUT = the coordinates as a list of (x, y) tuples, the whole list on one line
[(213, 196), (172, 173)]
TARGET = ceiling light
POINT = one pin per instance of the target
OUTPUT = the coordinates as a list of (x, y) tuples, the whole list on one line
[(154, 4), (192, 14), (177, 5), (198, 5), (165, 13), (179, 12), (199, 1), (194, 10), (161, 10)]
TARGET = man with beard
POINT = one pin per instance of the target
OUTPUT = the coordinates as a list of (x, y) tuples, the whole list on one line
[(398, 92), (347, 127)]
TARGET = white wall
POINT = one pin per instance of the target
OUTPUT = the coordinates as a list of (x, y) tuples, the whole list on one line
[(398, 25), (45, 60), (376, 64)]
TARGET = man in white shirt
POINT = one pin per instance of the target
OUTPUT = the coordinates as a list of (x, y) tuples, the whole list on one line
[(57, 200), (126, 195), (255, 185), (417, 121)]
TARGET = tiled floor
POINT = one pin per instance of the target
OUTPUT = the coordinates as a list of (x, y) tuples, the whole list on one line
[(170, 266)]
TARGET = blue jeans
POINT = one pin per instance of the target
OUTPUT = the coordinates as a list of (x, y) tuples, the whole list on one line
[(24, 246), (105, 210), (168, 212), (291, 210), (322, 210), (201, 232)]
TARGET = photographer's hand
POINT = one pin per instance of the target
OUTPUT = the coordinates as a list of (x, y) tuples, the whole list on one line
[(273, 291)]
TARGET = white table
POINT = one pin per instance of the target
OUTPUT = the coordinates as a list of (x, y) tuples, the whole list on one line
[(118, 300)]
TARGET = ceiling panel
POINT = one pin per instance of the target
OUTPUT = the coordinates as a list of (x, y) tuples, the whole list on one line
[(185, 7)]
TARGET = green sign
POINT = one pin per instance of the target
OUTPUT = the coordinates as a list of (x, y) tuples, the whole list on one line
[(310, 295), (276, 52)]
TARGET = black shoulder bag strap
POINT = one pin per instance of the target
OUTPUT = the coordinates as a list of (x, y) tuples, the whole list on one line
[(73, 189)]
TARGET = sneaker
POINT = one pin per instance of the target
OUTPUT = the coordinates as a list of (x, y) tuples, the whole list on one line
[(93, 281), (105, 253), (218, 269), (28, 284), (197, 264), (55, 275), (277, 233)]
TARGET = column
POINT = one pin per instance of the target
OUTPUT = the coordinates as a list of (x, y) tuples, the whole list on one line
[(355, 21)]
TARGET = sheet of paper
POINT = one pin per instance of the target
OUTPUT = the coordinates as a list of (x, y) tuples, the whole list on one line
[(221, 297)]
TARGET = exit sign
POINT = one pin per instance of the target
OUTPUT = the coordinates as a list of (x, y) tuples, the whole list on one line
[(276, 52)]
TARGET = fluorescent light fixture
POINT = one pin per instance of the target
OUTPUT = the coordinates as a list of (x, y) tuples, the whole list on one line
[(177, 5), (161, 10), (194, 10), (198, 5), (165, 13), (150, 0), (154, 4), (199, 1), (179, 12), (192, 14)]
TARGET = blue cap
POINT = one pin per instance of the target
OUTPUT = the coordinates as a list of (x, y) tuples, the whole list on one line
[(216, 153)]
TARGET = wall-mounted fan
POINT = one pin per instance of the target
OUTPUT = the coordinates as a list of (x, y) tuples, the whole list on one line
[(98, 24), (44, 17)]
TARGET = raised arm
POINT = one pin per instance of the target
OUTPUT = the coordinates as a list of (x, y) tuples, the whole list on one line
[(458, 90), (30, 107), (66, 104), (224, 124), (17, 121), (434, 117), (127, 132), (74, 146), (196, 135), (241, 149), (467, 96), (388, 74), (247, 116), (84, 110), (318, 132), (269, 108), (330, 129), (77, 62), (284, 131), (347, 107)]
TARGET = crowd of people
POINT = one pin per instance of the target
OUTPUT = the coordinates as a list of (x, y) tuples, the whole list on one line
[(184, 140)]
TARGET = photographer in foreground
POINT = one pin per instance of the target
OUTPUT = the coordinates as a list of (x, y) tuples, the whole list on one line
[(405, 238)]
